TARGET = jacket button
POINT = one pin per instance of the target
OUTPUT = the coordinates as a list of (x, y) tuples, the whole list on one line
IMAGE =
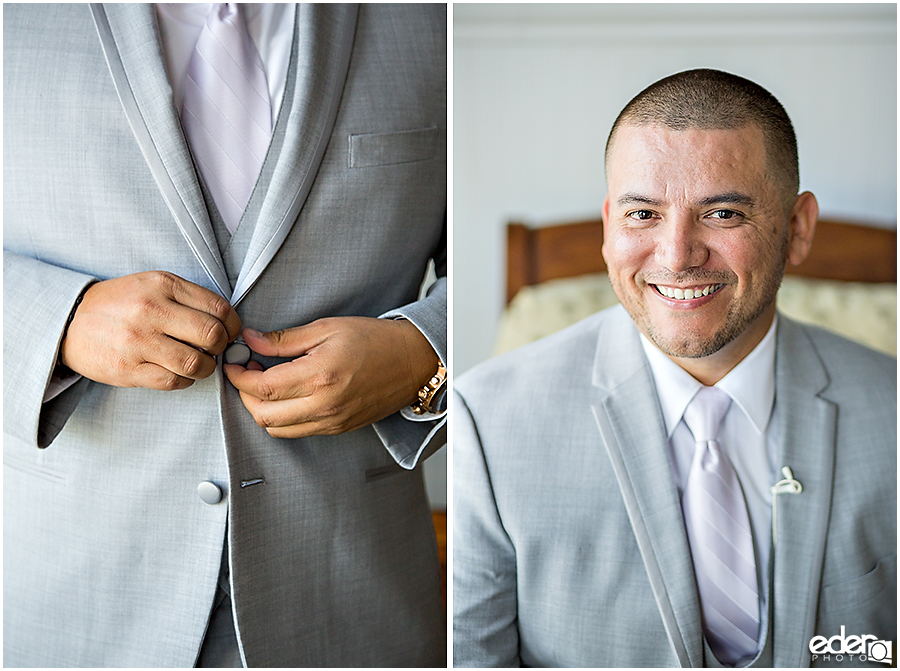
[(209, 492), (237, 352)]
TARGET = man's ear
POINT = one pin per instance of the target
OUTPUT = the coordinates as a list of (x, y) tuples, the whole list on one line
[(802, 227), (605, 225)]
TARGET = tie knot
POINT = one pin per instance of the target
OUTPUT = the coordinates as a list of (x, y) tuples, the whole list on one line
[(705, 412), (224, 11)]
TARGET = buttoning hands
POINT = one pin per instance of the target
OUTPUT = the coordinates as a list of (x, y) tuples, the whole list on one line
[(346, 373), (151, 329)]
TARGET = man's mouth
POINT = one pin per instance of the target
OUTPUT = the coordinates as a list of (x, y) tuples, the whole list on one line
[(687, 294)]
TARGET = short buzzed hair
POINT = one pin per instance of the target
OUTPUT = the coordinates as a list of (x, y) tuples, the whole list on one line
[(714, 100)]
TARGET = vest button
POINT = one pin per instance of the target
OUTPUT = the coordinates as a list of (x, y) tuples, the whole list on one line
[(209, 492)]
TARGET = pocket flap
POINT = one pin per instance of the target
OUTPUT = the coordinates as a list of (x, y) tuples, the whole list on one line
[(408, 146)]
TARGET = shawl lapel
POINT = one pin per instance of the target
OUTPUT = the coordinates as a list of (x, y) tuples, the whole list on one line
[(326, 43), (129, 37)]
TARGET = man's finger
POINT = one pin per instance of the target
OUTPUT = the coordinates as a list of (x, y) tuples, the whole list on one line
[(293, 379), (196, 328), (179, 358), (153, 376), (282, 414), (305, 430), (202, 299), (289, 418), (288, 342), (244, 380)]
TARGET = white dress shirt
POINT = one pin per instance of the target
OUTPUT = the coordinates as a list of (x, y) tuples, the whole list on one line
[(748, 434)]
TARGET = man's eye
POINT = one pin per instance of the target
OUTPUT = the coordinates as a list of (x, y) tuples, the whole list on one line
[(724, 214), (642, 215)]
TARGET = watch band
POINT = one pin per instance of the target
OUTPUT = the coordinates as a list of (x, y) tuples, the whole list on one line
[(431, 394)]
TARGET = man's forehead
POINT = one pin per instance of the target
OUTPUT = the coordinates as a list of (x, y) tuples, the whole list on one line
[(649, 160), (656, 136)]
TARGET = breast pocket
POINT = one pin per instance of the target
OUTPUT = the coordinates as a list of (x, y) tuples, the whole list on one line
[(23, 465), (408, 146), (855, 591)]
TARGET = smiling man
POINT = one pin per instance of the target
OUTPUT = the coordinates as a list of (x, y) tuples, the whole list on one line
[(688, 479)]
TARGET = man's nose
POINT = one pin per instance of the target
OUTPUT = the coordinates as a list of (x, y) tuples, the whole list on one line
[(681, 245)]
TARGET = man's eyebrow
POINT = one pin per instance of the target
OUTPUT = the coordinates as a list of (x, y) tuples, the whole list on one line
[(730, 198), (636, 199)]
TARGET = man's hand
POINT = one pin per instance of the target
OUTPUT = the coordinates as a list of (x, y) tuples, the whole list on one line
[(349, 372), (151, 329)]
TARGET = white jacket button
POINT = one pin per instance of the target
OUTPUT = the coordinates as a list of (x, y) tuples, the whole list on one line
[(209, 492)]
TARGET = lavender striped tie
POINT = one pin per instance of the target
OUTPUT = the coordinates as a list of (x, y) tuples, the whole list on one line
[(227, 115), (718, 527)]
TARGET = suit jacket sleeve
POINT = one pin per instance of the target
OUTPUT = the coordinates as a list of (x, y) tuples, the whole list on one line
[(485, 631), (407, 441), (37, 300)]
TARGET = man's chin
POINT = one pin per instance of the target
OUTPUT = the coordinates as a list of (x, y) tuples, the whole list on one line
[(688, 347), (687, 336), (685, 340)]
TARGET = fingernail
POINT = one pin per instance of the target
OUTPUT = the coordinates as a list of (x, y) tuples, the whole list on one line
[(253, 332)]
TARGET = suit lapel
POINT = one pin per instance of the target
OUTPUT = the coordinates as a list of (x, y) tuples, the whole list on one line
[(631, 425), (323, 41), (128, 35), (808, 423)]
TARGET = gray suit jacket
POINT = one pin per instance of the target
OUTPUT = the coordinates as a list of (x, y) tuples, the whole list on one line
[(569, 545), (110, 556)]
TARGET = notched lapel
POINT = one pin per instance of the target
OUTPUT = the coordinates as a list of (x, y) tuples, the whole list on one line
[(808, 428), (128, 34), (325, 42), (632, 427)]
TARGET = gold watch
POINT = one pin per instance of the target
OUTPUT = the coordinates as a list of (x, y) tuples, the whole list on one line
[(431, 395)]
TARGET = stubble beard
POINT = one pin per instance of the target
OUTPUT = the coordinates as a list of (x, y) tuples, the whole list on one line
[(692, 345)]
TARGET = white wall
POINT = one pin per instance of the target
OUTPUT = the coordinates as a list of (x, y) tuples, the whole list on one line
[(537, 87)]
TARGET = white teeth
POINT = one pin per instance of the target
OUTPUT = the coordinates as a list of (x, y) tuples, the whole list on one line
[(687, 294)]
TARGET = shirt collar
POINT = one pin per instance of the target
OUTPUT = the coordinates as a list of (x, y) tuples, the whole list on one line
[(750, 384)]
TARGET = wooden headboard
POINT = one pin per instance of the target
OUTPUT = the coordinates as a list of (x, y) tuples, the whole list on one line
[(841, 251)]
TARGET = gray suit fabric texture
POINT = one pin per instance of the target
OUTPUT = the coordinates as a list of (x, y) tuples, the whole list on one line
[(110, 557), (569, 547)]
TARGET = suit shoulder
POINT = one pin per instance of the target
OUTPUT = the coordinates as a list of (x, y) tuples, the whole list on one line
[(845, 358), (564, 352), (43, 18), (425, 23), (862, 381)]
